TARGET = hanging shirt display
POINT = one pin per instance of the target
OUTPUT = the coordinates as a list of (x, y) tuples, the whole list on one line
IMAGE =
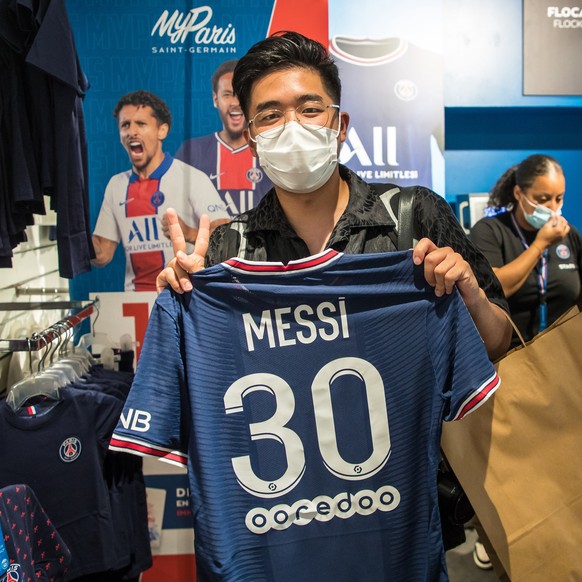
[(43, 150), (96, 499), (34, 548)]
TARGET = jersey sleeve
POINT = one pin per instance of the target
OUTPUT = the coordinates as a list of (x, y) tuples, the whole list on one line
[(463, 371), (153, 419), (107, 226), (488, 241), (107, 411)]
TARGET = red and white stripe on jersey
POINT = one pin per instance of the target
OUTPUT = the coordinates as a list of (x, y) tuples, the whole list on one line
[(128, 445), (314, 262), (479, 396)]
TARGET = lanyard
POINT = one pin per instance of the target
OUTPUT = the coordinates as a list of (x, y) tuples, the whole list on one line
[(542, 277)]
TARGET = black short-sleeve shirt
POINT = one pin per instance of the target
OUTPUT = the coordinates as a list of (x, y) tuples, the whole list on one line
[(365, 227), (498, 240)]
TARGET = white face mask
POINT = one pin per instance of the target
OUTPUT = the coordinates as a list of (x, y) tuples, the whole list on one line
[(301, 159)]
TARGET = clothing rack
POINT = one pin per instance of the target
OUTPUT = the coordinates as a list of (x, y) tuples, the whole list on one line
[(25, 281), (43, 338), (40, 290)]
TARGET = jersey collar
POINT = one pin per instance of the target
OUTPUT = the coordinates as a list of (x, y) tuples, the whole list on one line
[(158, 172)]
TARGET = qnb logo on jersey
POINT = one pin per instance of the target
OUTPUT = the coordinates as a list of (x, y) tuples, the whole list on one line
[(138, 420), (323, 508), (207, 37), (216, 208), (70, 450)]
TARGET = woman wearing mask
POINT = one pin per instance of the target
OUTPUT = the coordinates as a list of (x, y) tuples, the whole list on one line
[(534, 252)]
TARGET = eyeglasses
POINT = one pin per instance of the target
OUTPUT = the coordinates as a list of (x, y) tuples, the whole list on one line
[(312, 115)]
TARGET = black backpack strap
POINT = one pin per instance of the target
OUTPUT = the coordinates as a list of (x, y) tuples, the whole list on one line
[(389, 194), (240, 228), (406, 219)]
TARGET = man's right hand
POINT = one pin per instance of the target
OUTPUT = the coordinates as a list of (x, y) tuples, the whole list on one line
[(177, 273)]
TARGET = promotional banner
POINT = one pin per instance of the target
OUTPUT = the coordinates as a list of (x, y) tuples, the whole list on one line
[(552, 41), (171, 49)]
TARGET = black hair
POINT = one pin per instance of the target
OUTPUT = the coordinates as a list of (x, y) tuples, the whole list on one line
[(524, 175), (223, 68), (144, 99), (280, 51)]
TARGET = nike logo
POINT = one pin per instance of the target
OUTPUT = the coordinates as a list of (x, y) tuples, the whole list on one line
[(213, 176), (125, 201)]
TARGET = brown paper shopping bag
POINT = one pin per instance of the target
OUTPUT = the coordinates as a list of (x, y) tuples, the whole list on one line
[(519, 457)]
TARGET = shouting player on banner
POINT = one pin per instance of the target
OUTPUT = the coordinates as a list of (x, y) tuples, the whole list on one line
[(136, 200)]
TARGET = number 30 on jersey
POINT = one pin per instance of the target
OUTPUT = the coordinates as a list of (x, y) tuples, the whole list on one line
[(275, 427)]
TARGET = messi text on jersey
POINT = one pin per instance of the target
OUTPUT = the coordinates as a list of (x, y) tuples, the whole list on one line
[(286, 326)]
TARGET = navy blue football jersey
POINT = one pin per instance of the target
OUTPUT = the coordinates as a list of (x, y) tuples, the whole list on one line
[(58, 450), (394, 93), (307, 401)]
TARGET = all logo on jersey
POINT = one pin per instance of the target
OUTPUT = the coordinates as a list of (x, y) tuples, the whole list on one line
[(144, 229), (255, 175), (157, 199), (563, 252), (70, 450), (406, 90)]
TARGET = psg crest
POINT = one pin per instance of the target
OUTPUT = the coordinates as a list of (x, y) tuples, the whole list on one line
[(157, 199), (563, 251), (70, 450), (255, 175)]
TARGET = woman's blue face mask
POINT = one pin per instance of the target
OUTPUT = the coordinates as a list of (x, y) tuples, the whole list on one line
[(540, 214)]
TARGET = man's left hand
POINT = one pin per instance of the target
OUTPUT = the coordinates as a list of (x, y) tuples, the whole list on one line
[(444, 268)]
